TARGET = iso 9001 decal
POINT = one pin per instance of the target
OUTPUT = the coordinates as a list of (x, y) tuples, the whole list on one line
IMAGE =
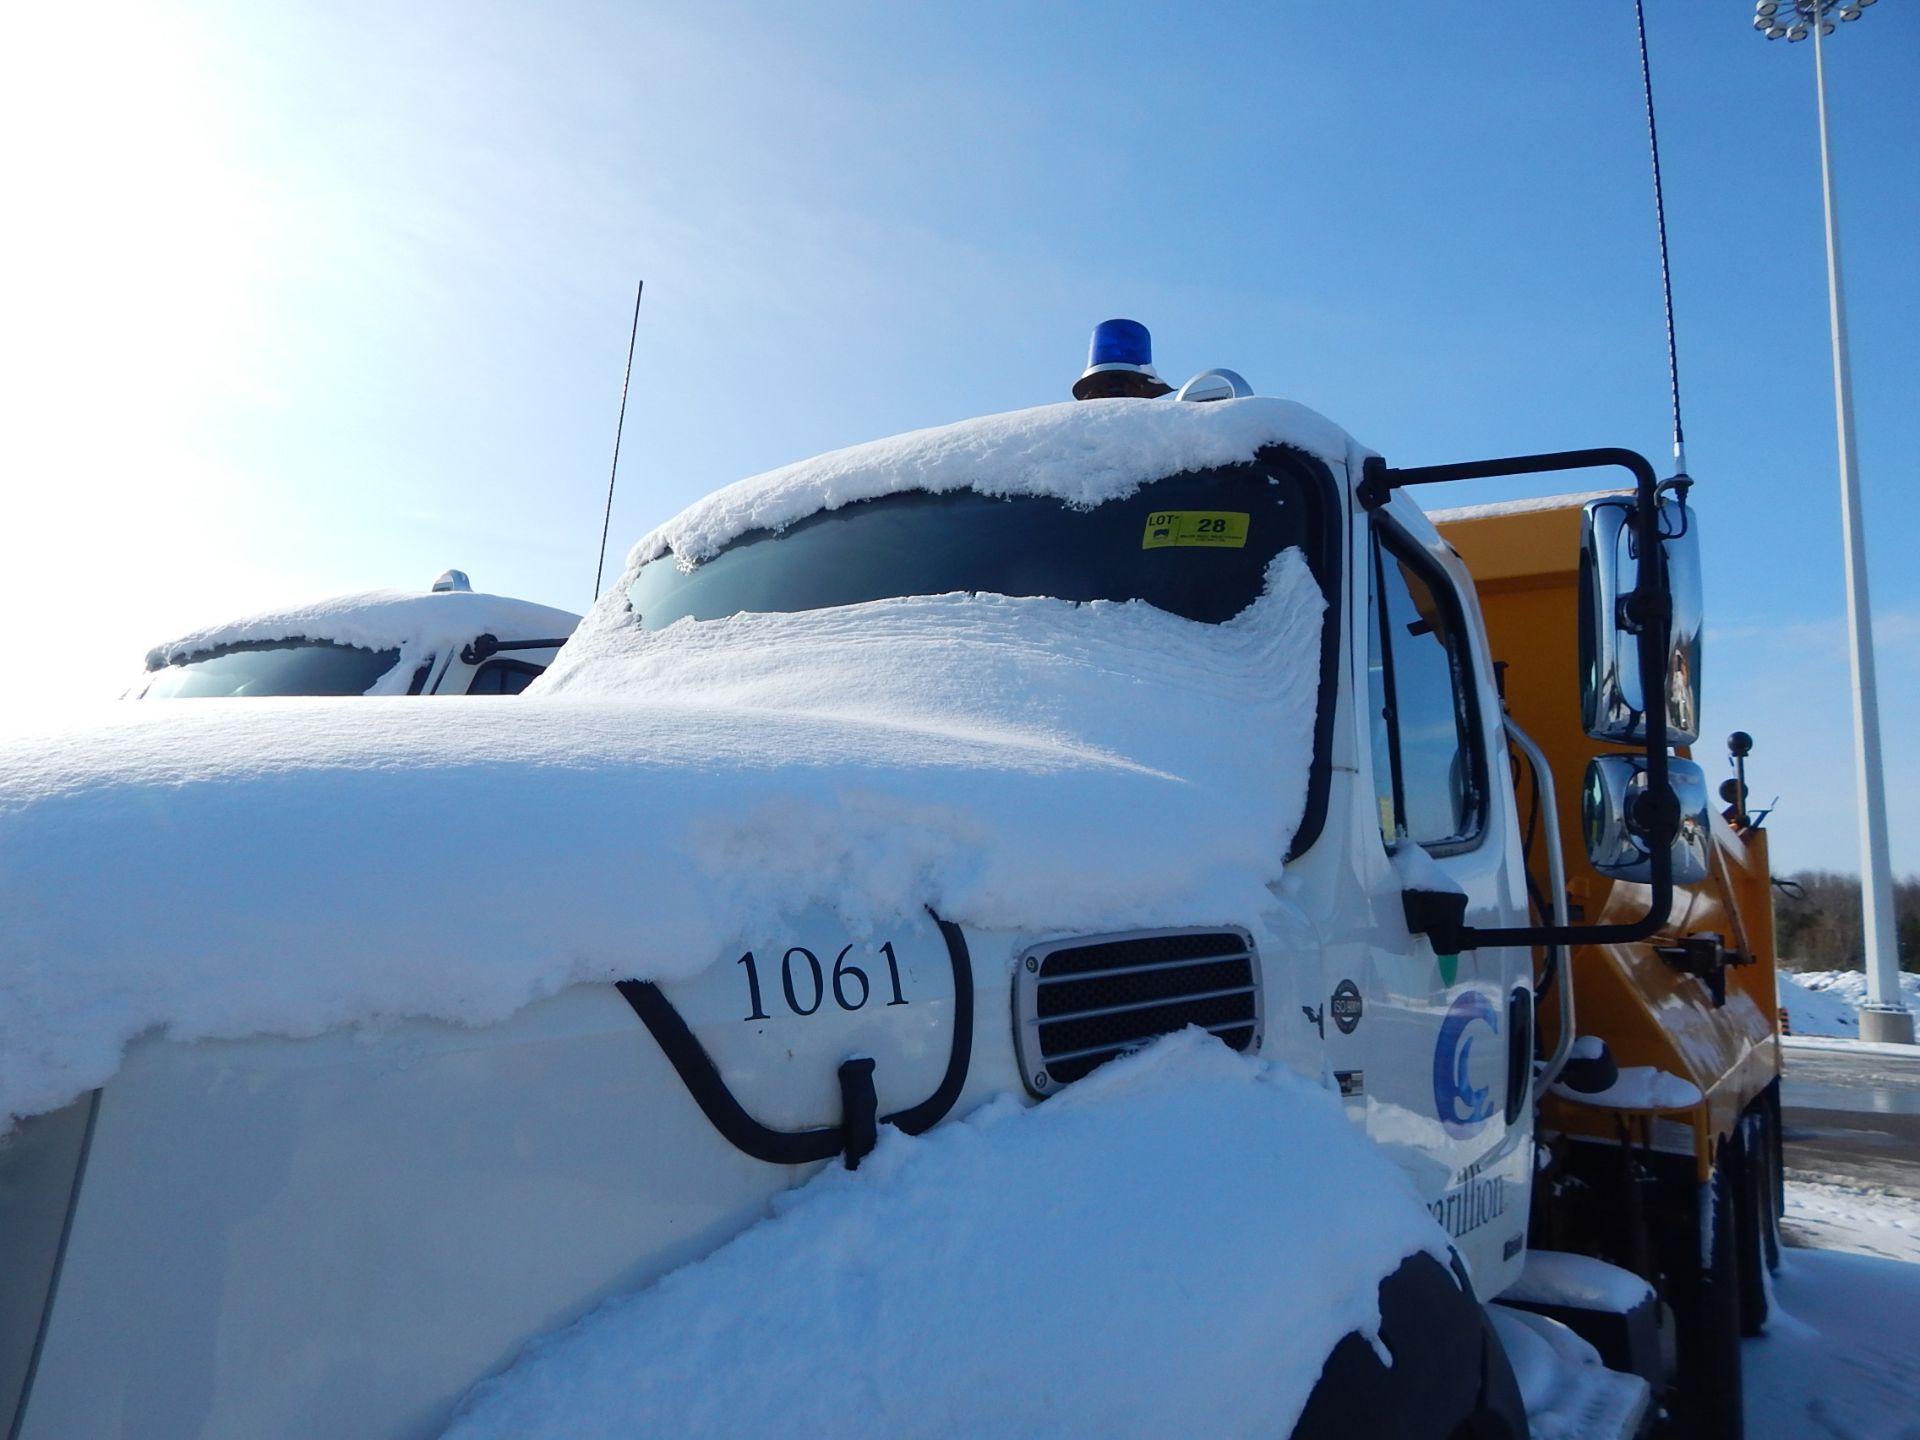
[(1346, 1007)]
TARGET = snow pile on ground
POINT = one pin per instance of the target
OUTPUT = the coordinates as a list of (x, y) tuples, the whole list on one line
[(1843, 1217), (1169, 1247), (418, 625), (1084, 454), (1838, 1359), (1826, 1002), (233, 868)]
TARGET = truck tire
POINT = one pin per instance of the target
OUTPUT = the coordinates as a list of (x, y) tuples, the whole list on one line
[(1757, 1226), (1450, 1379), (1708, 1402), (1773, 1195), (1779, 1137)]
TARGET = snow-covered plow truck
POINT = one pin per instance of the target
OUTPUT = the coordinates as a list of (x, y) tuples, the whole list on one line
[(354, 1045), (446, 640)]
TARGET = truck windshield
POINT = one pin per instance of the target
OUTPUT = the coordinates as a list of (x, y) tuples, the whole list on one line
[(274, 667), (1196, 544)]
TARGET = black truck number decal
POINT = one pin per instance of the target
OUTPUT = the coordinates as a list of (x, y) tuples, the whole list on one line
[(802, 977)]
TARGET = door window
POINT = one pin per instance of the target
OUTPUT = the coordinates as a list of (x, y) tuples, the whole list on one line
[(503, 677), (1429, 772)]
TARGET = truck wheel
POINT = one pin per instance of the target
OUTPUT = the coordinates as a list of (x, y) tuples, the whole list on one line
[(1707, 1399), (1779, 1138), (1755, 1221), (1450, 1379), (1773, 1196)]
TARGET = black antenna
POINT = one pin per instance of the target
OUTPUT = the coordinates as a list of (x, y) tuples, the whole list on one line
[(1660, 215), (600, 569)]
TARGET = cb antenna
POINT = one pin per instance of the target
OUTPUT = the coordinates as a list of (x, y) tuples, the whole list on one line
[(600, 568), (1666, 277)]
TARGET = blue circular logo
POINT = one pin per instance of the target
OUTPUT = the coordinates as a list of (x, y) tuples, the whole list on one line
[(1462, 1106)]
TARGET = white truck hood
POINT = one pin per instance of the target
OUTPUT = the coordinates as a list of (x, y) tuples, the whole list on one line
[(287, 866)]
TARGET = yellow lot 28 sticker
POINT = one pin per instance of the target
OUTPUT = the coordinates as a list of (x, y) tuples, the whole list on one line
[(1217, 529)]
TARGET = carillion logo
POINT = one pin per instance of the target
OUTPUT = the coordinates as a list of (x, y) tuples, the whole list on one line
[(1462, 1106)]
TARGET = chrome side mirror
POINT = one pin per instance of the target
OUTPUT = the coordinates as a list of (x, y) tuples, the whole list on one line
[(1615, 788), (1613, 698)]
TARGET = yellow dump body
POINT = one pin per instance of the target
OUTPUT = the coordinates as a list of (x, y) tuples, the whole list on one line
[(1525, 563)]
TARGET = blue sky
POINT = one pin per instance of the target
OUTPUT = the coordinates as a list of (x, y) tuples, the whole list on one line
[(309, 299)]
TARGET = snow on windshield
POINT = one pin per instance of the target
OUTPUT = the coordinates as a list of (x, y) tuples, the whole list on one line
[(964, 1283), (237, 868), (416, 624), (1082, 452)]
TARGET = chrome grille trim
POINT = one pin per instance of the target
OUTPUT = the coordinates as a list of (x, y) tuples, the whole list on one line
[(1137, 1005), (1137, 985), (1142, 969)]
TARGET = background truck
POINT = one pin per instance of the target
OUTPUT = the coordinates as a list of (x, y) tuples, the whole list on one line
[(449, 640), (924, 774)]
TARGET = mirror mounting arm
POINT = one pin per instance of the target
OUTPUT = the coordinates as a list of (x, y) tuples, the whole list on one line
[(1640, 611), (1649, 605)]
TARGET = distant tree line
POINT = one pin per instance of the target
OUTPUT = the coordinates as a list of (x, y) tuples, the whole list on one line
[(1817, 921)]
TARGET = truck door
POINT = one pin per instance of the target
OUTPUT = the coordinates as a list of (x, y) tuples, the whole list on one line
[(1449, 1066)]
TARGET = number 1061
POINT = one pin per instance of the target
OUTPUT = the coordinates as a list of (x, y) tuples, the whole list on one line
[(806, 983)]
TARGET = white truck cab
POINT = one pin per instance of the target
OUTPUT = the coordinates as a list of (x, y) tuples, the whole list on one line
[(936, 770), (448, 640)]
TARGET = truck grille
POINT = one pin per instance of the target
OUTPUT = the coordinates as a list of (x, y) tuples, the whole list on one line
[(1079, 1003)]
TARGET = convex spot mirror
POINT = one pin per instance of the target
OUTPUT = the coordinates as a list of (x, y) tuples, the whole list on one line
[(1609, 805), (1613, 692)]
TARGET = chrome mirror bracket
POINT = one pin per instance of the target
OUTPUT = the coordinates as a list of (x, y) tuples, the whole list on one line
[(1658, 815)]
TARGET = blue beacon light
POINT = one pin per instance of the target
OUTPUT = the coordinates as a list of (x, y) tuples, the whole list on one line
[(1119, 364)]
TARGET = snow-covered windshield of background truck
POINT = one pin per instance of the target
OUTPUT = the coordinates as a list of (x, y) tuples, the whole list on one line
[(1197, 545), (279, 667)]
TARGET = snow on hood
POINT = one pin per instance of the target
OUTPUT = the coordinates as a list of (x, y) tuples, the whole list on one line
[(236, 868), (418, 625), (1082, 452), (1144, 1254)]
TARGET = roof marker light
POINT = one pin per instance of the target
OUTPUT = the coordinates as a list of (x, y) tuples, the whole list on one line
[(1218, 383), (1120, 364), (452, 582)]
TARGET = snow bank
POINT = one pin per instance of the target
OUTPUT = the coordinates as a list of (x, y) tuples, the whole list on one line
[(1827, 1002), (1081, 452), (1844, 1217), (416, 624), (1169, 1247), (1838, 1358), (235, 868)]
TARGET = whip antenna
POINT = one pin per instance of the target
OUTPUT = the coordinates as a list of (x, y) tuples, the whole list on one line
[(1660, 216), (600, 568)]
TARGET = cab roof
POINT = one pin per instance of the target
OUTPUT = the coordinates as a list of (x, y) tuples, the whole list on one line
[(379, 620), (1084, 453)]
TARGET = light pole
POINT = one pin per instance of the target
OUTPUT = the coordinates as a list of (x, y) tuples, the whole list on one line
[(1885, 1015)]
